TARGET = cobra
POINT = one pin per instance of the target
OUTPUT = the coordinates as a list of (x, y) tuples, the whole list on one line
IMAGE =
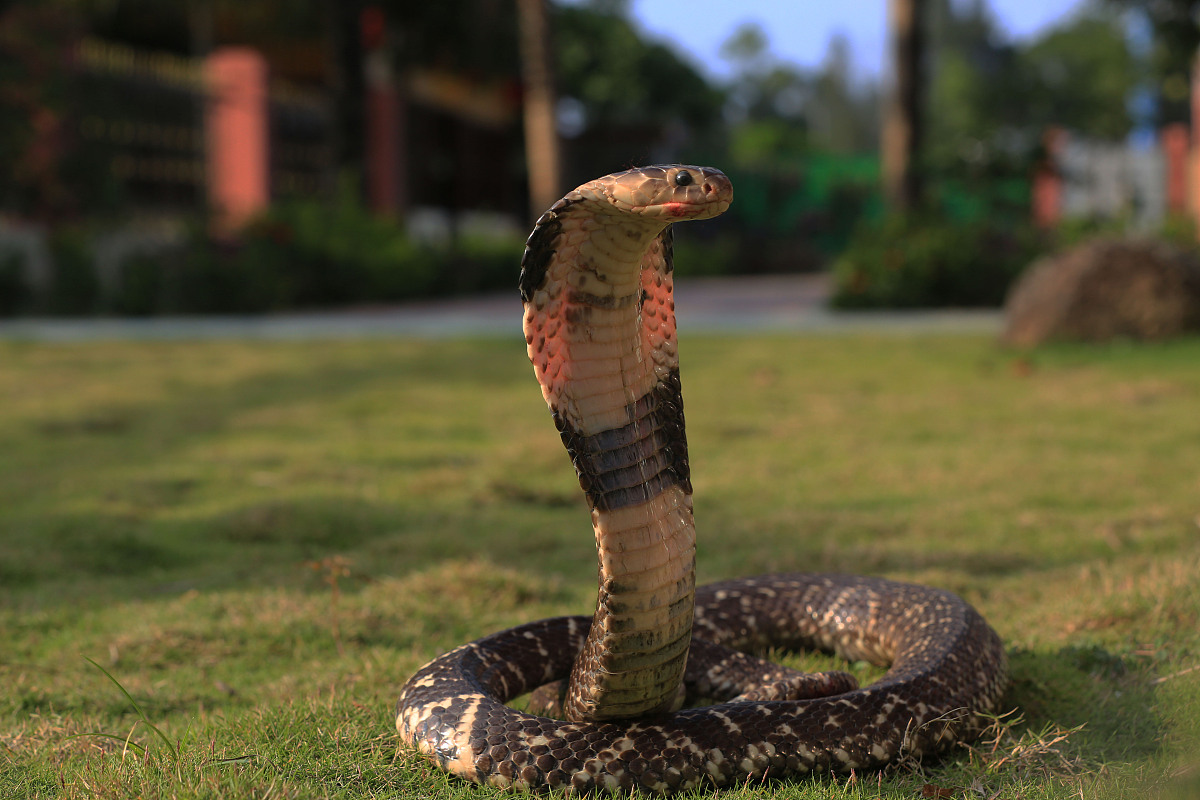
[(599, 323)]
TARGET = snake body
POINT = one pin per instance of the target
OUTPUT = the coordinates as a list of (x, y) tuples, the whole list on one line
[(600, 328)]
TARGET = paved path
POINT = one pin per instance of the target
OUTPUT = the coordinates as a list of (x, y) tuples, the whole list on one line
[(746, 304)]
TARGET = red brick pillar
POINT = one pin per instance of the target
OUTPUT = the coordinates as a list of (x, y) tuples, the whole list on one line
[(1047, 181), (385, 158), (237, 135), (1175, 147)]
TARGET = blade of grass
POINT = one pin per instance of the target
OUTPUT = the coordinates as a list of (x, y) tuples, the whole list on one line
[(249, 758), (137, 708)]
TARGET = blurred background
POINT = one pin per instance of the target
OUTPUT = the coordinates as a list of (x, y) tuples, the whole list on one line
[(164, 157)]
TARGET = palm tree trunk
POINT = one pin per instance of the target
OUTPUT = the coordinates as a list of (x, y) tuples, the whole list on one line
[(541, 135), (902, 116)]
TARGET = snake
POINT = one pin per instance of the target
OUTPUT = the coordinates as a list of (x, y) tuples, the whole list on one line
[(627, 686)]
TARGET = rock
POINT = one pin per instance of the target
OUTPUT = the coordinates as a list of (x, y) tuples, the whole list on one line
[(1105, 289)]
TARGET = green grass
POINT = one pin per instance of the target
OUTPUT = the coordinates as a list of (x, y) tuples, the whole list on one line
[(261, 542)]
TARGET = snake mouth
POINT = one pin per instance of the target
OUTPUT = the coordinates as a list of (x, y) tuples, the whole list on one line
[(710, 207), (672, 191), (713, 203)]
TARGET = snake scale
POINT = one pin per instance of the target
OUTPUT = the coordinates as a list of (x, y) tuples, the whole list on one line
[(599, 323)]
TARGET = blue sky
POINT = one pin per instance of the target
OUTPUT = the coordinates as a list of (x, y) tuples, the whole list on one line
[(799, 30)]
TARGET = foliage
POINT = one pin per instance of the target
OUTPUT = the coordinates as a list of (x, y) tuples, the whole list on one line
[(477, 263), (706, 252), (962, 257), (843, 113), (991, 100), (1077, 76), (306, 254), (924, 261), (36, 147), (778, 112), (162, 504), (298, 254), (15, 292), (1176, 27), (632, 97), (621, 78), (74, 286), (1178, 230), (328, 254)]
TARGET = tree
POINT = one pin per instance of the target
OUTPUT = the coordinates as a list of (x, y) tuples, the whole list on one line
[(630, 99), (990, 100), (765, 103), (1176, 26), (1080, 75), (541, 134), (843, 115), (778, 112), (902, 122)]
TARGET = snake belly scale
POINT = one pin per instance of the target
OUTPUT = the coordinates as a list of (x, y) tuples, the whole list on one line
[(599, 323)]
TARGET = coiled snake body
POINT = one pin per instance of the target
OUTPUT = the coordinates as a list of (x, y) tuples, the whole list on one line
[(600, 326)]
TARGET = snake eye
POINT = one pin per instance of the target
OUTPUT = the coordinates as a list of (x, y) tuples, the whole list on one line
[(683, 178)]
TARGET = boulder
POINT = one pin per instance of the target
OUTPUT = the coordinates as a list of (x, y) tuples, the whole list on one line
[(1105, 289)]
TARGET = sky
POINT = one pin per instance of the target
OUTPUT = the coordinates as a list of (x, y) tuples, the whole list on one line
[(799, 30)]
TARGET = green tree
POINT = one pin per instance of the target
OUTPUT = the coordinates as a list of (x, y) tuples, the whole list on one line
[(631, 99), (778, 112), (843, 114), (1079, 75), (990, 100), (1176, 26), (543, 164), (620, 77), (765, 104)]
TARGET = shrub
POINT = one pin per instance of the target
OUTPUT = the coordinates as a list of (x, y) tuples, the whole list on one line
[(708, 256), (477, 263), (321, 254), (139, 291), (15, 294), (74, 286), (914, 262), (298, 254), (215, 277)]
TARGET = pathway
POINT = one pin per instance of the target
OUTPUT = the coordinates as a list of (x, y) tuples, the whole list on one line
[(746, 304)]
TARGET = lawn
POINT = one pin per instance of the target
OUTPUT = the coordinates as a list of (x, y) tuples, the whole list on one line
[(220, 561)]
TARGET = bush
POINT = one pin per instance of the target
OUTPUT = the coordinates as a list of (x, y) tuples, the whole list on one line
[(139, 291), (478, 264), (74, 287), (298, 254), (214, 277), (707, 257), (920, 262), (321, 254), (15, 294)]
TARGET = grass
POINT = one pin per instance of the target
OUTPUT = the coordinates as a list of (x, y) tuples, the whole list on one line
[(220, 561)]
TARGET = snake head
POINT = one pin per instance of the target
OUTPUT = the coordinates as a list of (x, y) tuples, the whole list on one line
[(670, 191)]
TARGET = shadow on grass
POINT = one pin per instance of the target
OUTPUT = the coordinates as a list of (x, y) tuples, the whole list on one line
[(1111, 695), (110, 558), (63, 556)]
